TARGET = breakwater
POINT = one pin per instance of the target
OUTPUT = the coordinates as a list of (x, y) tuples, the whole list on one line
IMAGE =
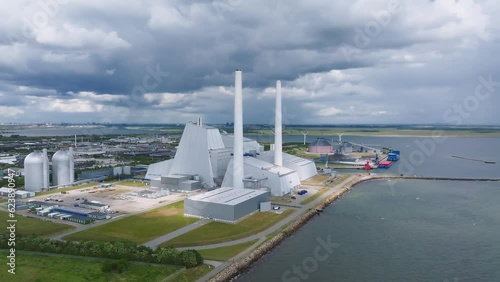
[(242, 265), (473, 159)]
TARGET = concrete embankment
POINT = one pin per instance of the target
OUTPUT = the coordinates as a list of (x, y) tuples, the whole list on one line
[(240, 266)]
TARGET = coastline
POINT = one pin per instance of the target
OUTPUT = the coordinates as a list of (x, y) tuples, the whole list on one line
[(239, 267)]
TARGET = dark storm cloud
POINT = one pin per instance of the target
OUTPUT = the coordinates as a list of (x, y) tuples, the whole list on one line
[(184, 51)]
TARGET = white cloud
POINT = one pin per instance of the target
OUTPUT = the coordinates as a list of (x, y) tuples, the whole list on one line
[(11, 112), (70, 36), (328, 112)]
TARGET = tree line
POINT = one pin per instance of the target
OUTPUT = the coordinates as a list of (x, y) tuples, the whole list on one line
[(112, 250)]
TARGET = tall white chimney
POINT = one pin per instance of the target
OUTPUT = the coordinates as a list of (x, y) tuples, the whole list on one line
[(238, 131), (45, 167), (278, 143)]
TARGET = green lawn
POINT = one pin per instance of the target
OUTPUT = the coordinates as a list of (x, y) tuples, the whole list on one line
[(138, 228), (65, 189), (225, 253), (133, 183), (33, 226), (218, 232), (315, 196), (191, 274), (39, 267)]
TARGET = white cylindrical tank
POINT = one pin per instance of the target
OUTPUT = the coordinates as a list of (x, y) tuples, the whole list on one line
[(61, 168), (127, 170), (117, 170), (33, 172)]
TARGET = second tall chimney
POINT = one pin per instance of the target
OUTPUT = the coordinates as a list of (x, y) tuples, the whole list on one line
[(238, 131), (278, 143)]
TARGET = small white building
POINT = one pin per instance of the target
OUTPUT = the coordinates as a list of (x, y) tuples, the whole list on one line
[(19, 193)]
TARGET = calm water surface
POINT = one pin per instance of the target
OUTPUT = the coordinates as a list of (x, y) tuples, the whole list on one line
[(403, 230)]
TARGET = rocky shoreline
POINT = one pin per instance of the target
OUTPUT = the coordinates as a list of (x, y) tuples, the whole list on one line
[(240, 266)]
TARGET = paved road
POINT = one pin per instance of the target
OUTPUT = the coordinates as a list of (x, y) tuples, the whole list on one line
[(277, 226), (156, 242), (221, 265)]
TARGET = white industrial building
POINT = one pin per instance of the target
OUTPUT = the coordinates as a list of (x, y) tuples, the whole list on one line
[(18, 193), (278, 180), (225, 204), (247, 174), (304, 167), (201, 154), (250, 146), (205, 154)]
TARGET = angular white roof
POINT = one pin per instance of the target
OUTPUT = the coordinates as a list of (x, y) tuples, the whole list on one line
[(227, 196)]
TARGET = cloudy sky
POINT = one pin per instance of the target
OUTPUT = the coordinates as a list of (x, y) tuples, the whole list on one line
[(340, 62)]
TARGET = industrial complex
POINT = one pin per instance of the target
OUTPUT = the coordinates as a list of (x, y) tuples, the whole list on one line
[(247, 174), (226, 177)]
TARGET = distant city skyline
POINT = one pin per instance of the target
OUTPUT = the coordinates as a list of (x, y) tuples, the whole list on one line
[(340, 62)]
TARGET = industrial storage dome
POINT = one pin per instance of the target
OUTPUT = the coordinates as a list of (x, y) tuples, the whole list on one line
[(35, 171), (62, 168), (321, 146)]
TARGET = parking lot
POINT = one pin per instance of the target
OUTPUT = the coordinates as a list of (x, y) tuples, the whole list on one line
[(117, 197)]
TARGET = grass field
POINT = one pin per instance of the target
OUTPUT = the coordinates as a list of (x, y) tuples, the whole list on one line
[(133, 183), (54, 191), (190, 274), (34, 226), (38, 267), (218, 232), (315, 196), (317, 180), (138, 228), (225, 253)]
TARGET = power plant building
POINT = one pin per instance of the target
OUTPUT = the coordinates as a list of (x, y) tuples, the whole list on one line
[(259, 174), (247, 174), (250, 146), (201, 153), (304, 167), (225, 204)]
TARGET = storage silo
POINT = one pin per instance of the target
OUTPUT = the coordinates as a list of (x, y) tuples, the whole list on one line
[(117, 170), (321, 146), (33, 172), (127, 170), (61, 168)]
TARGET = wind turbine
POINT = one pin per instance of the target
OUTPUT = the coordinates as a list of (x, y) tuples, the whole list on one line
[(305, 134)]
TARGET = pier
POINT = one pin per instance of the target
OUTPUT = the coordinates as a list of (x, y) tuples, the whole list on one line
[(472, 159)]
